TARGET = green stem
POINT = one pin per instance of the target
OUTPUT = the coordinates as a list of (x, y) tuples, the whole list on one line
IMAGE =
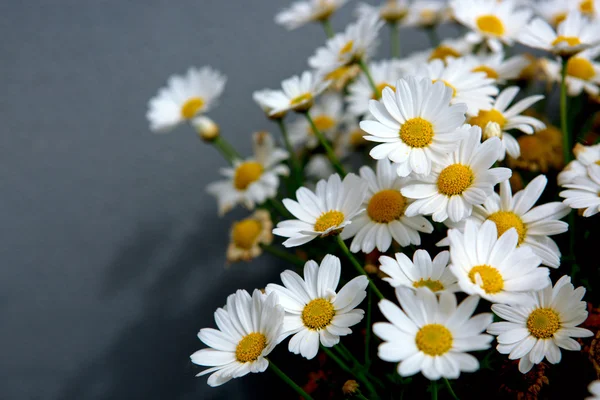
[(449, 386), (225, 149), (328, 28), (368, 332), (433, 36), (360, 396), (284, 255), (358, 267), (290, 382), (434, 390), (394, 39), (295, 166), (367, 72), (563, 112), (325, 143)]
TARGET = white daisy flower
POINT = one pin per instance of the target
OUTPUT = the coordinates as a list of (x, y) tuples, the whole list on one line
[(360, 93), (253, 180), (534, 225), (298, 93), (594, 389), (391, 11), (416, 125), (185, 97), (586, 158), (490, 21), (583, 73), (249, 329), (325, 212), (384, 217), (494, 267), (431, 335), (497, 67), (260, 97), (426, 13), (420, 272), (327, 115), (357, 43), (537, 331), (454, 48), (553, 11), (303, 12), (501, 118), (574, 34), (314, 312), (584, 193), (462, 181), (247, 235), (474, 89)]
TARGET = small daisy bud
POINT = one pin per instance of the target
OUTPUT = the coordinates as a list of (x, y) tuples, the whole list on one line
[(492, 129), (350, 387), (371, 269), (206, 128)]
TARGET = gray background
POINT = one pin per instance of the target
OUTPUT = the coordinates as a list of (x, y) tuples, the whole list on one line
[(112, 254)]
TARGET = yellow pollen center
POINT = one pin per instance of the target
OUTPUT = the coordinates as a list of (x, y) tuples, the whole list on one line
[(558, 18), (356, 138), (323, 123), (386, 206), (448, 84), (317, 314), (597, 162), (417, 132), (191, 107), (490, 72), (586, 7), (434, 286), (484, 117), (492, 279), (434, 340), (441, 52), (380, 88), (246, 232), (570, 40), (246, 173), (490, 24), (347, 48), (338, 73), (455, 179), (329, 219), (543, 323), (580, 68), (250, 347), (301, 99), (505, 220)]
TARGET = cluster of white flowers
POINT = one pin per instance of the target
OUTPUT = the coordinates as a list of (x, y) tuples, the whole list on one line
[(445, 127)]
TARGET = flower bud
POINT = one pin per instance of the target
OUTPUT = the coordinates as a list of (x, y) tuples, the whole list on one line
[(206, 128)]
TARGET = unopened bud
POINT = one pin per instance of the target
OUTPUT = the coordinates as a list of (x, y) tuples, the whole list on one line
[(350, 387), (207, 129), (371, 269), (492, 129)]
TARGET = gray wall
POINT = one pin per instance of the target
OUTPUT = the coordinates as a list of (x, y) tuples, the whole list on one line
[(112, 253)]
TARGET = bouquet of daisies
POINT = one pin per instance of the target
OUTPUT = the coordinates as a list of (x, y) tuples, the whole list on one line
[(434, 209)]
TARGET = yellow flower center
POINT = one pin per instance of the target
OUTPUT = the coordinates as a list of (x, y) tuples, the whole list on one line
[(301, 99), (246, 173), (329, 219), (250, 347), (490, 24), (356, 138), (492, 279), (484, 117), (435, 286), (386, 206), (392, 13), (323, 123), (191, 107), (417, 132), (317, 314), (570, 40), (434, 340), (490, 72), (586, 7), (543, 323), (347, 48), (580, 68), (448, 84), (441, 52), (505, 220), (246, 232), (380, 88), (558, 18), (455, 179), (428, 16)]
